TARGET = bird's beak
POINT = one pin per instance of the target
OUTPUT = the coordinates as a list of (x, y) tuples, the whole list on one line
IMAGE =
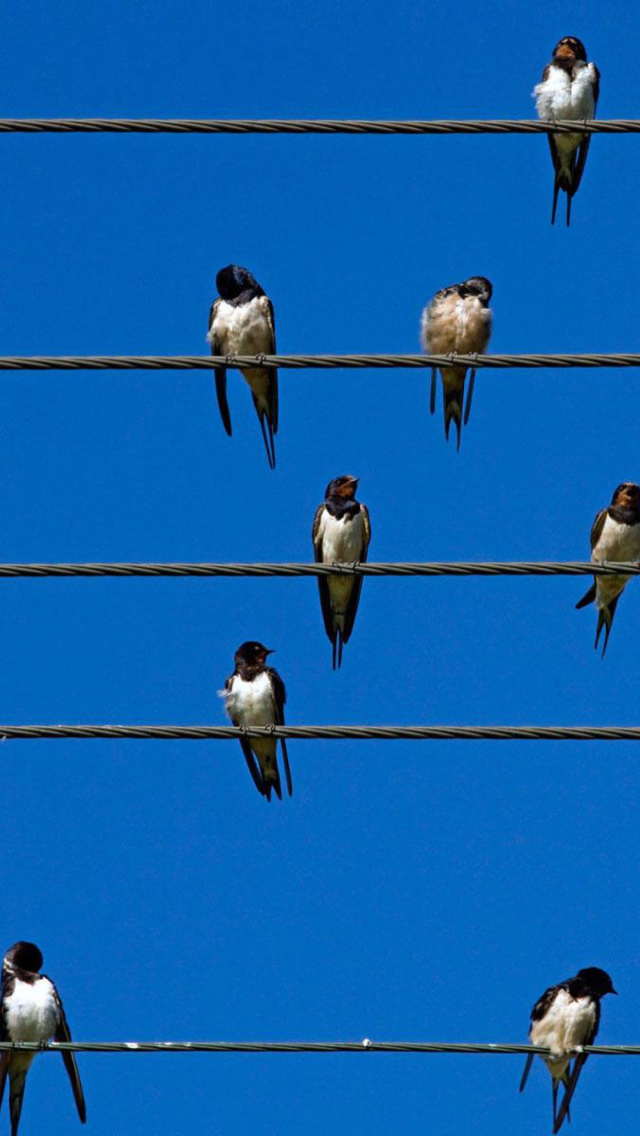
[(614, 991), (269, 651)]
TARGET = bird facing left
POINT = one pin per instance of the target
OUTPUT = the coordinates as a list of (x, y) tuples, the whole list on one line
[(241, 322), (30, 1010)]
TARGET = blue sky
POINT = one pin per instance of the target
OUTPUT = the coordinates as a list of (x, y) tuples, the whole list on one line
[(425, 891)]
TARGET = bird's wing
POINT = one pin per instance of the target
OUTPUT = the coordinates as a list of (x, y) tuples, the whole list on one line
[(583, 149), (220, 372), (597, 527), (354, 599), (323, 581), (64, 1034), (279, 699)]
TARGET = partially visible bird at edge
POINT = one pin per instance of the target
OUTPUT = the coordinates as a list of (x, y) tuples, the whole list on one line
[(615, 536)]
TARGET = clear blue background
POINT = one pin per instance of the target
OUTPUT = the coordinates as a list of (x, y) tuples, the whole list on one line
[(424, 891)]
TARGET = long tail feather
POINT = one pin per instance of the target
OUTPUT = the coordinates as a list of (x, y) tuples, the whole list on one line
[(527, 1070), (605, 619), (434, 380), (267, 434), (588, 597), (472, 383), (287, 770), (556, 189), (569, 1091)]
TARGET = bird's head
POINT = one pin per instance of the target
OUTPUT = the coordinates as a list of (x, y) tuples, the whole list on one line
[(252, 654), (627, 494), (233, 280), (24, 956), (343, 487), (568, 50), (597, 980), (478, 286)]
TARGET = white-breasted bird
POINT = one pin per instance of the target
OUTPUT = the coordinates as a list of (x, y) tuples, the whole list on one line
[(569, 89), (457, 320), (341, 534), (30, 1010), (255, 695), (615, 536)]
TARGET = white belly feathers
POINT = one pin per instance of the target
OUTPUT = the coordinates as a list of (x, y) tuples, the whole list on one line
[(617, 542), (31, 1011), (251, 703), (456, 324), (341, 541), (561, 97), (567, 1023)]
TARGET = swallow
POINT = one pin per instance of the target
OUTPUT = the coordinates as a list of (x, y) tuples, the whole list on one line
[(569, 89), (615, 535), (565, 1018), (241, 322), (341, 534), (255, 696), (30, 1010), (458, 319)]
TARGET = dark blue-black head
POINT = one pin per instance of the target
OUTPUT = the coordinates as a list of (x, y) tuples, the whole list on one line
[(569, 49), (343, 487), (627, 495), (478, 286), (25, 956), (234, 280), (251, 654), (597, 980)]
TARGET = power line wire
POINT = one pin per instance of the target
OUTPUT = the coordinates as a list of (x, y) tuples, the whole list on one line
[(400, 568), (314, 126), (333, 733), (293, 362), (367, 1045)]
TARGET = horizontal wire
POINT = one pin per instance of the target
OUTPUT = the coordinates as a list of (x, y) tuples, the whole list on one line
[(314, 126), (333, 733), (208, 362), (364, 1046), (401, 568)]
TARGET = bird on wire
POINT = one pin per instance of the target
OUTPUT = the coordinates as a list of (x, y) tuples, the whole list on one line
[(458, 319), (569, 89), (615, 535), (341, 534), (30, 1010), (255, 696), (565, 1018), (241, 322)]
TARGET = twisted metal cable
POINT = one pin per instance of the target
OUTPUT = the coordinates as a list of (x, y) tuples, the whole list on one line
[(435, 568), (364, 1046), (313, 126), (294, 362), (333, 733)]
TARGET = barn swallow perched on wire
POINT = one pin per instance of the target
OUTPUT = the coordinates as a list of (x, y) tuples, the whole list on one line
[(341, 534), (241, 322), (615, 535), (569, 89), (255, 696), (565, 1018), (30, 1010), (458, 319)]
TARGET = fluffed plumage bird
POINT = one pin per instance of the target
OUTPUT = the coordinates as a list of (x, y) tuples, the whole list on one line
[(458, 319), (615, 536), (341, 534), (255, 696), (30, 1010), (241, 322), (565, 1018), (569, 89)]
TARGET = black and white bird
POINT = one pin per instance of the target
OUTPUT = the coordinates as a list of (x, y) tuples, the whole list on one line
[(458, 319), (255, 696), (569, 89), (341, 534), (241, 322), (565, 1018), (30, 1010), (615, 536)]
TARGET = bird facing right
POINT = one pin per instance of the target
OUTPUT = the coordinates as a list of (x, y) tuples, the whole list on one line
[(255, 695), (615, 536), (565, 1018), (30, 1010), (569, 89), (457, 320)]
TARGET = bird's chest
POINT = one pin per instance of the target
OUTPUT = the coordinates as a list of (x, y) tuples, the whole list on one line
[(342, 538), (252, 702), (568, 1022), (563, 97), (618, 541), (241, 330), (30, 1011)]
